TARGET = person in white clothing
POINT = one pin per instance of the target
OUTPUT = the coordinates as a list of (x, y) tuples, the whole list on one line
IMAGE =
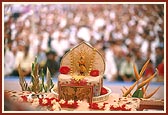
[(9, 59), (126, 71), (111, 68)]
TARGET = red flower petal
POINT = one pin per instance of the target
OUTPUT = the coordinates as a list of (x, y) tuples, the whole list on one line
[(94, 106), (94, 73), (103, 91), (64, 69), (24, 98)]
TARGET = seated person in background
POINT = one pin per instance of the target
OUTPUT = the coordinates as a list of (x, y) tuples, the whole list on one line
[(150, 70), (51, 63), (161, 71), (126, 71), (25, 58), (41, 56), (139, 59), (9, 58)]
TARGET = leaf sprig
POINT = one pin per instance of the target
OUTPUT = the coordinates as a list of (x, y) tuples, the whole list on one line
[(37, 83), (140, 91)]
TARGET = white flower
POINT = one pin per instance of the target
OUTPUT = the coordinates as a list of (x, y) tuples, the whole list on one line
[(40, 96), (100, 105), (62, 101), (44, 101), (79, 102), (29, 99), (44, 96), (107, 107), (70, 101), (127, 106), (53, 101), (115, 105)]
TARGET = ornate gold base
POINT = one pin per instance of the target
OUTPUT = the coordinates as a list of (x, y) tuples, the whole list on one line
[(96, 99)]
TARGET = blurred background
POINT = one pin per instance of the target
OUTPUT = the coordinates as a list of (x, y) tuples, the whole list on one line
[(123, 33)]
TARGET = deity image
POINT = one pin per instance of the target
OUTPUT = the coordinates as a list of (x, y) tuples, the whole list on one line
[(82, 66)]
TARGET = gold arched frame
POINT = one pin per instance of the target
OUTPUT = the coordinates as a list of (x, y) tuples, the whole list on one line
[(72, 56)]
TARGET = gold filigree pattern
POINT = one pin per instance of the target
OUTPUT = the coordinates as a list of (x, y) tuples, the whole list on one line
[(76, 93)]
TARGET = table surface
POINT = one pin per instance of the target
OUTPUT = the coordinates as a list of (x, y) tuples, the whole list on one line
[(12, 83)]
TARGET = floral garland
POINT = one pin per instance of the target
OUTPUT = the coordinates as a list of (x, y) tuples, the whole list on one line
[(55, 104)]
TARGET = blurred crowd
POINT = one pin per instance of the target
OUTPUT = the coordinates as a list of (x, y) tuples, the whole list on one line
[(123, 33)]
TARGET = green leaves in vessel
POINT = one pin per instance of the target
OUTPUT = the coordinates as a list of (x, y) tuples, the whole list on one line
[(138, 93)]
